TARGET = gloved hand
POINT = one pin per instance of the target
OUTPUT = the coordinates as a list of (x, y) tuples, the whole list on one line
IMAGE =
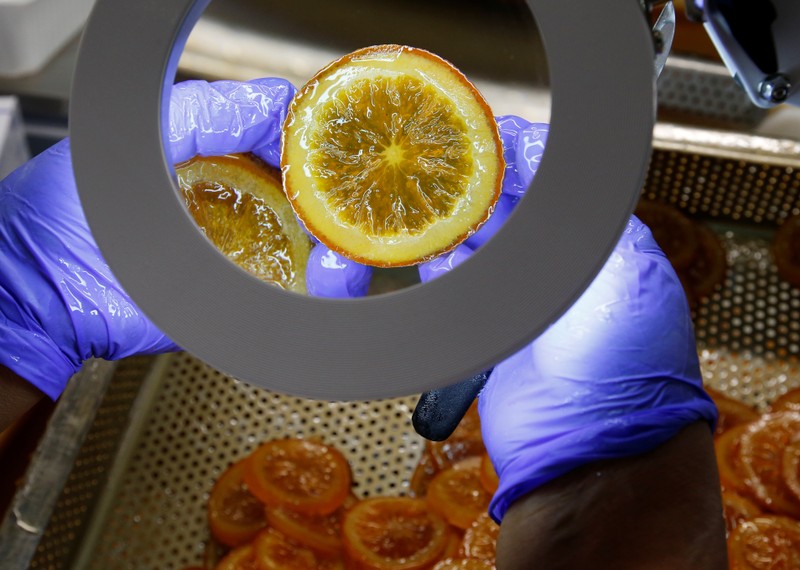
[(616, 376), (59, 303)]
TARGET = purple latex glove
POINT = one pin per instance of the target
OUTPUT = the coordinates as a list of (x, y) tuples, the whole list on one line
[(59, 303), (328, 274), (617, 375)]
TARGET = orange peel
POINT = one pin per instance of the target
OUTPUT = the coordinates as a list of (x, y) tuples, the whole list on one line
[(239, 204)]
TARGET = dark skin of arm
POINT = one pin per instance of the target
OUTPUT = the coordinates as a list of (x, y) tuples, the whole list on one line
[(658, 511), (17, 396)]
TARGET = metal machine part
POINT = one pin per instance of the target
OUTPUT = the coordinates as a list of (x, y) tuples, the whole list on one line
[(395, 344), (759, 43)]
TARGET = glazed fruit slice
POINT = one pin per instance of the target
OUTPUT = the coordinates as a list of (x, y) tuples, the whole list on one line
[(393, 533), (727, 448), (305, 476), (673, 231), (480, 540), (790, 401), (765, 543), (235, 516), (465, 564), (391, 156), (736, 509), (274, 551), (761, 455), (732, 412), (457, 493), (786, 250), (320, 533), (239, 204)]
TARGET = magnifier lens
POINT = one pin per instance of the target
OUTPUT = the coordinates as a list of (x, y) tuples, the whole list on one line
[(495, 44)]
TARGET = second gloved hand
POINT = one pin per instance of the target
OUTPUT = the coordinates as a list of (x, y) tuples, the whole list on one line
[(616, 376)]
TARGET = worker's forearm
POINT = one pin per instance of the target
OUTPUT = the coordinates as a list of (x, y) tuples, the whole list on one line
[(657, 511), (16, 397)]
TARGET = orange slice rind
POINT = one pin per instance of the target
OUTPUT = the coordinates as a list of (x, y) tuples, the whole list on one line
[(239, 204), (390, 156)]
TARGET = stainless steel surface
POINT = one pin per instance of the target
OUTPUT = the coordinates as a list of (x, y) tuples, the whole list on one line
[(33, 505), (774, 25), (251, 330)]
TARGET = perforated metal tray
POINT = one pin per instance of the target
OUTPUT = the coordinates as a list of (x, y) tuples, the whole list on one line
[(135, 497)]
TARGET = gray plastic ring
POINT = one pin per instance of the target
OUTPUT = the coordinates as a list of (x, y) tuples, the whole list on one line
[(601, 72)]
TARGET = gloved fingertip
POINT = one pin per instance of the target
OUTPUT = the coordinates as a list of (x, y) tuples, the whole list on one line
[(530, 149), (444, 264), (331, 275), (509, 127), (228, 117), (640, 237), (502, 210)]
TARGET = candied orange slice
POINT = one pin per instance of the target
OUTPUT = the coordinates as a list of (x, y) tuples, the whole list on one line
[(489, 478), (736, 508), (305, 476), (457, 495), (391, 156), (235, 516), (465, 441), (790, 401), (768, 542), (732, 412), (786, 250), (320, 533), (707, 270), (464, 564), (673, 231), (791, 468), (240, 558), (239, 204), (394, 533), (455, 545), (423, 474), (274, 551), (761, 456), (727, 449), (480, 539)]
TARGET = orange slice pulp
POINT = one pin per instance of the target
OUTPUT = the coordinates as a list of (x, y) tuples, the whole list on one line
[(391, 156), (239, 204)]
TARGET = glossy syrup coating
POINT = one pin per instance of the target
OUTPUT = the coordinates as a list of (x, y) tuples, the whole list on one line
[(391, 156), (239, 204)]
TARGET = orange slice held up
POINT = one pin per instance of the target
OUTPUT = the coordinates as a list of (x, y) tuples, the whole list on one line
[(391, 156), (239, 204)]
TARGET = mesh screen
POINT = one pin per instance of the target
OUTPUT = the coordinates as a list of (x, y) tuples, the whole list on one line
[(200, 423), (723, 187), (73, 510)]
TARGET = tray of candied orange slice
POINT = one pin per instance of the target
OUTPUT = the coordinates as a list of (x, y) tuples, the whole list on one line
[(758, 456), (290, 503)]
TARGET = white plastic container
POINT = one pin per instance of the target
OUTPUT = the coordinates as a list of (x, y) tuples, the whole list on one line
[(13, 149), (33, 31)]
